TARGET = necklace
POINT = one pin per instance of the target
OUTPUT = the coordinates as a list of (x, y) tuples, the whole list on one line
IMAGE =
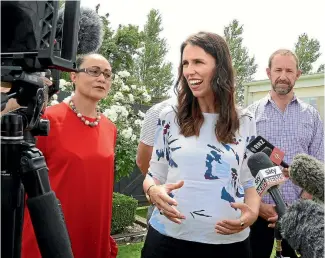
[(82, 118)]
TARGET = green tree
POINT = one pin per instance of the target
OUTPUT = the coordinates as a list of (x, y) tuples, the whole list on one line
[(321, 68), (128, 40), (152, 69), (244, 65), (307, 51), (120, 46)]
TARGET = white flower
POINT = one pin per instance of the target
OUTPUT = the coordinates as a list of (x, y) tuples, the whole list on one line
[(133, 137), (63, 88), (54, 102), (123, 111), (125, 88), (133, 87), (146, 97), (141, 114), (111, 114), (123, 74), (127, 133), (131, 98), (118, 96), (138, 122), (119, 110), (67, 99), (55, 97), (143, 89), (62, 83)]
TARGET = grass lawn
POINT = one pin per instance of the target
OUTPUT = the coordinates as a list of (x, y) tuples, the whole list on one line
[(130, 251), (142, 212), (134, 251)]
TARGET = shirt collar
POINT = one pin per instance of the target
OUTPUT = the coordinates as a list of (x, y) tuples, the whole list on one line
[(267, 99)]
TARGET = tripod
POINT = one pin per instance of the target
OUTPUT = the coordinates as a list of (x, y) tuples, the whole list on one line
[(24, 171)]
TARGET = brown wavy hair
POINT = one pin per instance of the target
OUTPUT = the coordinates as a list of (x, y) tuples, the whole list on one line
[(189, 115)]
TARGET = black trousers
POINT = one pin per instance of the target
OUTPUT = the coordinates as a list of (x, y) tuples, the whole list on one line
[(262, 240), (160, 246)]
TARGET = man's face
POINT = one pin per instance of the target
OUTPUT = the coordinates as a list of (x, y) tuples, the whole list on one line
[(283, 73)]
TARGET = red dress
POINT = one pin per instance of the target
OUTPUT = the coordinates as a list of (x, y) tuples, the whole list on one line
[(81, 171)]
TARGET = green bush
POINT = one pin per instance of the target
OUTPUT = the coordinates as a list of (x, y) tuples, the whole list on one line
[(124, 210)]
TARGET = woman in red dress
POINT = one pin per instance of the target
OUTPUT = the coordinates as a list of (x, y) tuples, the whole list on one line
[(79, 153)]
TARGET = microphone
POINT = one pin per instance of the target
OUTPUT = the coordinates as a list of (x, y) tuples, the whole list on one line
[(303, 227), (276, 155), (269, 153), (308, 173), (267, 177), (90, 35)]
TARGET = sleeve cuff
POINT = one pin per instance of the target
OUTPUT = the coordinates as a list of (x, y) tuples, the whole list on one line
[(248, 184)]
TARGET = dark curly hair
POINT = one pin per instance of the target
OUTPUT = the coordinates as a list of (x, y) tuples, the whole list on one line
[(189, 116)]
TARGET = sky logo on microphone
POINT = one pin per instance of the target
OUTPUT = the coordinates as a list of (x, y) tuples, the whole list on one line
[(271, 171), (266, 178)]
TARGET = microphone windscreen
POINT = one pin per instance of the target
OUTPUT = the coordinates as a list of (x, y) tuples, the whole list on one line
[(258, 161), (303, 227), (308, 173), (90, 35)]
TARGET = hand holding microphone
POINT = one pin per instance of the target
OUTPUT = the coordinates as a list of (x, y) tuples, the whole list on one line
[(303, 223), (267, 178)]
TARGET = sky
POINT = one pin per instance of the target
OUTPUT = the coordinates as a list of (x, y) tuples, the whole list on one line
[(268, 25)]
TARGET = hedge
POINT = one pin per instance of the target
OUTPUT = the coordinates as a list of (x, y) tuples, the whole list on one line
[(124, 210)]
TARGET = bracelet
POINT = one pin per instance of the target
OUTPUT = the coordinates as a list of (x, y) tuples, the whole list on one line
[(149, 188), (147, 193)]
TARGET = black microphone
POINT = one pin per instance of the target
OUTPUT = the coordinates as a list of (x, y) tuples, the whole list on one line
[(267, 178), (90, 35), (303, 227), (308, 173), (270, 153), (276, 155)]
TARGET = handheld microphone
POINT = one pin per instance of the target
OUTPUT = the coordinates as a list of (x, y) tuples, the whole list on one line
[(276, 156), (90, 35), (308, 173), (303, 227), (270, 154), (267, 177)]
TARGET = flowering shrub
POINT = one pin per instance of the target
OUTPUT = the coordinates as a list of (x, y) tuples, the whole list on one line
[(120, 107)]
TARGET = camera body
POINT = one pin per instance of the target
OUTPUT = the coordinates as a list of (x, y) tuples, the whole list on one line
[(35, 41)]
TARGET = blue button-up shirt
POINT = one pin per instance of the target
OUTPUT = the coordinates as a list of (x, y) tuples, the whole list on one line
[(298, 129)]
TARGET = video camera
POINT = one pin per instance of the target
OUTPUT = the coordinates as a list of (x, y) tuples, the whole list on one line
[(34, 43)]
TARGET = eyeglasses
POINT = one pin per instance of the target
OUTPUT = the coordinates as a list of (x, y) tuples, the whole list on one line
[(96, 72)]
